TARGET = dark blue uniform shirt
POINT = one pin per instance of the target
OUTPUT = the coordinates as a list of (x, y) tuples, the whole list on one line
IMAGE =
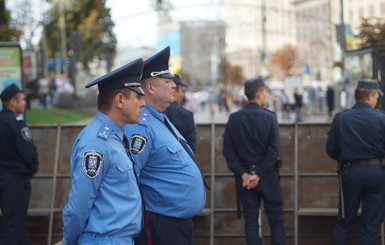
[(251, 136), (357, 134), (18, 154), (183, 120)]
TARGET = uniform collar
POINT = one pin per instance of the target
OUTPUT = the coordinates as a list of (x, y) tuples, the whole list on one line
[(8, 111), (155, 112), (110, 123), (362, 105), (253, 105)]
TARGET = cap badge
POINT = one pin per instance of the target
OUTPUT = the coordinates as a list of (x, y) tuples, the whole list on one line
[(158, 73)]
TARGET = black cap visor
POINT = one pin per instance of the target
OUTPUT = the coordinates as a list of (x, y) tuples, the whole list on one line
[(138, 90)]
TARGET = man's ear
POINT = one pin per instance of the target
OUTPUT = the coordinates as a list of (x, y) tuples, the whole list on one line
[(118, 100), (149, 86)]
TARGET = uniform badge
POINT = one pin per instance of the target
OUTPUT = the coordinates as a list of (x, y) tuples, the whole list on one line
[(137, 143), (26, 134), (92, 163)]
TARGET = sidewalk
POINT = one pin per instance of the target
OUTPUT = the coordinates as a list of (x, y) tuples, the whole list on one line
[(204, 117)]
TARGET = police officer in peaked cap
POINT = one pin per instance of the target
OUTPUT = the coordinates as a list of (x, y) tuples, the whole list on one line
[(357, 142), (18, 163), (182, 118), (105, 204), (251, 148), (171, 182)]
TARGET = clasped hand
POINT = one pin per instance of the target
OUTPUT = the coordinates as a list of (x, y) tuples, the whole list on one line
[(250, 180)]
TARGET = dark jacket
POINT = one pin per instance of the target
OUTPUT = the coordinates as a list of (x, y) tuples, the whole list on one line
[(357, 134), (183, 120), (251, 136), (18, 154)]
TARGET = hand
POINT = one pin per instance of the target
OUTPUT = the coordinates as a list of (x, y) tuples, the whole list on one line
[(59, 243), (250, 180)]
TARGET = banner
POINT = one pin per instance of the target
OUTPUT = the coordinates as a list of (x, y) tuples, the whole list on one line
[(11, 70)]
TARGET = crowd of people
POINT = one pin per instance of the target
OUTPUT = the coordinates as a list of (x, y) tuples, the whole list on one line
[(46, 91), (295, 105)]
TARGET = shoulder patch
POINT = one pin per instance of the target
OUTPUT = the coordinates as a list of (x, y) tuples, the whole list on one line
[(92, 163), (104, 132), (26, 134), (144, 119), (137, 143), (268, 110)]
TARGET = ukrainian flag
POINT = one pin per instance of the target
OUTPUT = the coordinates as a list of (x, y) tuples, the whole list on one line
[(350, 37)]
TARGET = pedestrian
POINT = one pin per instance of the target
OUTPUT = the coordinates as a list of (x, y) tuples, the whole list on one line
[(171, 181), (18, 164), (105, 204), (357, 141), (182, 119), (251, 148), (330, 100), (285, 105), (298, 102)]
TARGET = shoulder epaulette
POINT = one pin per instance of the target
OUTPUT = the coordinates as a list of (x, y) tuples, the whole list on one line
[(377, 110), (144, 119), (339, 113), (268, 110), (104, 132)]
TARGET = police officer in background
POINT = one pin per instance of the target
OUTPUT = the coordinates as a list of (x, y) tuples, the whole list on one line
[(182, 119), (18, 163), (171, 182), (105, 205), (251, 147), (357, 141)]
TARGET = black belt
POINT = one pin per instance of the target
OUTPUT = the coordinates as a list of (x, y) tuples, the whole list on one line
[(365, 162)]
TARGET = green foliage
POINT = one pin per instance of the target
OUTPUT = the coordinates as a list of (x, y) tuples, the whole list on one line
[(54, 116), (372, 32), (91, 21), (7, 32)]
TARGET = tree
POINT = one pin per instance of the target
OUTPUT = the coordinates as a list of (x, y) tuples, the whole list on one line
[(282, 61), (232, 74), (372, 32), (8, 33), (89, 23)]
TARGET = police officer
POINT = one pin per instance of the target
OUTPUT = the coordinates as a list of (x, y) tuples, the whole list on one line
[(171, 182), (251, 147), (182, 119), (18, 163), (357, 141), (105, 205)]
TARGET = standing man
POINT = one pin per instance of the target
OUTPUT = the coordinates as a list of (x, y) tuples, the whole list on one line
[(182, 119), (105, 205), (18, 163), (251, 147), (357, 141), (170, 180), (330, 100), (298, 102)]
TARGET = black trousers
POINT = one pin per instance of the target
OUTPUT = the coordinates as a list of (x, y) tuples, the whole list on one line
[(15, 193), (164, 230)]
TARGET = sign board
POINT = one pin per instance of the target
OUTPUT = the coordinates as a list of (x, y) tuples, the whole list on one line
[(29, 65), (11, 68), (60, 62)]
